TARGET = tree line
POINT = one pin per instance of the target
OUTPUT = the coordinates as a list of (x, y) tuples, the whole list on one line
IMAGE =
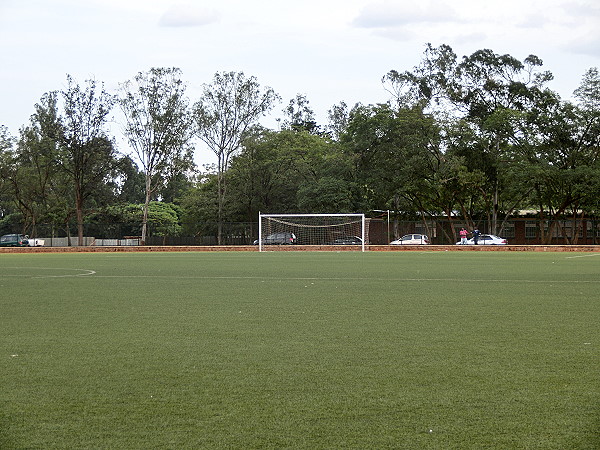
[(480, 137)]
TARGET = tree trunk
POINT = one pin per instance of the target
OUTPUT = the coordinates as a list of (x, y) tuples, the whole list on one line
[(144, 224), (451, 239), (79, 216), (219, 208), (220, 196), (145, 212), (494, 224)]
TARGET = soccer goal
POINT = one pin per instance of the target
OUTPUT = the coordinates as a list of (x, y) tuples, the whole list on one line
[(312, 229)]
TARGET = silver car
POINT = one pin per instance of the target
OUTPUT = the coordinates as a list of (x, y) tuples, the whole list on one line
[(412, 239), (486, 239)]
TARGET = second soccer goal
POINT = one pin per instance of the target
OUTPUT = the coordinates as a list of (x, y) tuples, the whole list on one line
[(312, 229)]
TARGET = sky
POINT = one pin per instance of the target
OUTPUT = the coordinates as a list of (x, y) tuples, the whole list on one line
[(326, 50)]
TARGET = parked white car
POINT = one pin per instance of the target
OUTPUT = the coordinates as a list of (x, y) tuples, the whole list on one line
[(486, 239), (412, 239)]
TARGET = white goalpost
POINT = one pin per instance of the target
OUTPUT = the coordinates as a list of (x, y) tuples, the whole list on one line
[(312, 229)]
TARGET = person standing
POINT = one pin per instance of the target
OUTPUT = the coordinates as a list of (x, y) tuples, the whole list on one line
[(463, 236), (476, 234)]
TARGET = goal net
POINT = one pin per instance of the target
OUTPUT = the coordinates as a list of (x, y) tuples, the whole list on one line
[(312, 229)]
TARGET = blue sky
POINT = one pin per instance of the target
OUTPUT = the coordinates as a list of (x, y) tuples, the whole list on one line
[(327, 50)]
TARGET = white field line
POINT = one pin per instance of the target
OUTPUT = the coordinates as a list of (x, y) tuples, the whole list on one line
[(83, 272), (582, 256), (89, 272), (461, 280)]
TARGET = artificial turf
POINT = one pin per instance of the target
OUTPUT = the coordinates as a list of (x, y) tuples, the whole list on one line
[(314, 350)]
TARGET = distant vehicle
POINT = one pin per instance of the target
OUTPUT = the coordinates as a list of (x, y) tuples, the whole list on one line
[(348, 240), (14, 240), (36, 242), (283, 238), (412, 239), (486, 239)]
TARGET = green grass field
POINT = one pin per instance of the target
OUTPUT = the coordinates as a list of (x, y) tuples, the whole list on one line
[(314, 350)]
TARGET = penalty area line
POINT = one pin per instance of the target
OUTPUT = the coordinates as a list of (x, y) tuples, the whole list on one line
[(420, 280), (583, 256)]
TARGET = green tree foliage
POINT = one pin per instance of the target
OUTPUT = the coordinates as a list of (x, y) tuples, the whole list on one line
[(284, 171), (588, 96), (279, 171), (300, 116), (480, 135), (338, 117), (163, 218), (395, 152), (199, 206), (131, 181), (325, 195), (38, 184), (559, 158), (6, 163), (476, 100)]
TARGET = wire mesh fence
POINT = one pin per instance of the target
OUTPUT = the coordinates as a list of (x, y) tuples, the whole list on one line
[(116, 234), (526, 231)]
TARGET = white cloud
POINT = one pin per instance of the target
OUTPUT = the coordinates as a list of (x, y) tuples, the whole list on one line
[(588, 44), (186, 15), (387, 14), (581, 28), (583, 9), (469, 38)]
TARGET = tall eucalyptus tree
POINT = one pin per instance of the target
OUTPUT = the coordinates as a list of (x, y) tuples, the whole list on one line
[(158, 127), (38, 186), (86, 153), (7, 143), (226, 111)]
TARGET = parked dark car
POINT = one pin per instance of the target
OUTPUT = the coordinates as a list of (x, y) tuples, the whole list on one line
[(14, 240), (347, 240), (283, 238)]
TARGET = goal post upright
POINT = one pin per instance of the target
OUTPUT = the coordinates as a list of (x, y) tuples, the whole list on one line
[(363, 236), (260, 231), (313, 229)]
